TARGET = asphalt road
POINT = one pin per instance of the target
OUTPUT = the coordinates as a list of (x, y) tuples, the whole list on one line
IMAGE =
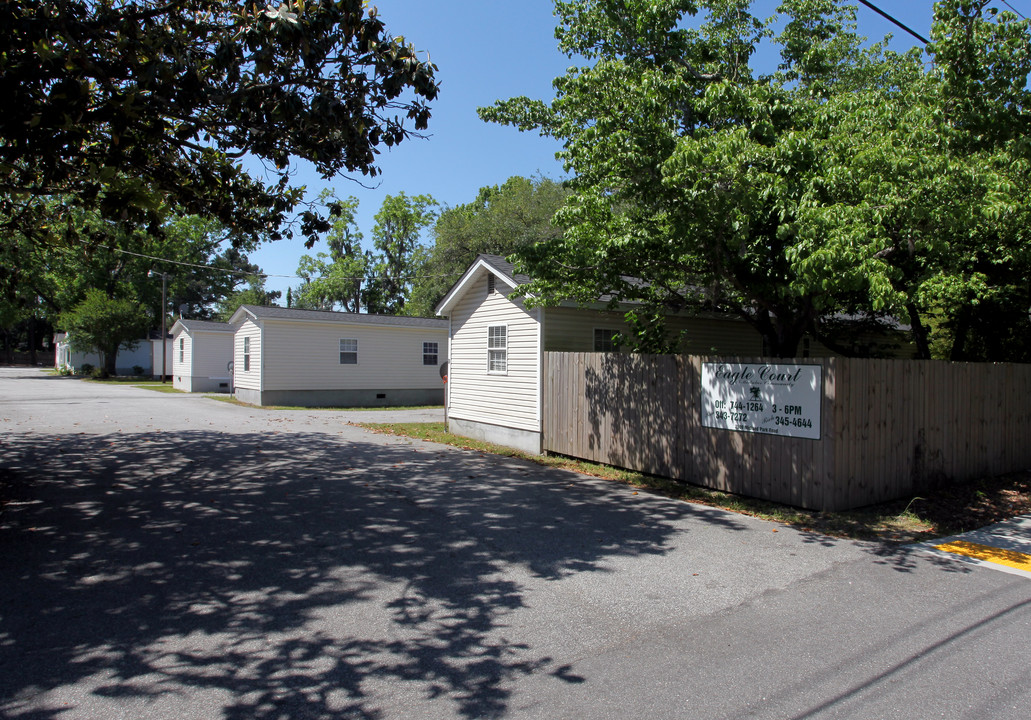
[(171, 556)]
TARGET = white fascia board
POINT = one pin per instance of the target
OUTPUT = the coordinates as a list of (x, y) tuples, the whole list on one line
[(445, 306), (238, 318)]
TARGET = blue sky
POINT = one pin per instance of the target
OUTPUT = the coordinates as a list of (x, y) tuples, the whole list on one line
[(487, 50)]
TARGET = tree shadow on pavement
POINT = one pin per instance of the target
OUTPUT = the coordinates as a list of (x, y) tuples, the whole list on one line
[(287, 575)]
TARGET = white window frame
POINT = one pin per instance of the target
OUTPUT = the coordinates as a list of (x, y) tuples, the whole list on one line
[(348, 351), (612, 332), (246, 354), (435, 352), (182, 350), (497, 353)]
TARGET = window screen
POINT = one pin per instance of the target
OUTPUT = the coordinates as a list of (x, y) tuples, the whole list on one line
[(429, 353), (497, 349), (605, 340), (348, 351)]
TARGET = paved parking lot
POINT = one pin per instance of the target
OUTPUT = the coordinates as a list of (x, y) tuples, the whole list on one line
[(169, 556)]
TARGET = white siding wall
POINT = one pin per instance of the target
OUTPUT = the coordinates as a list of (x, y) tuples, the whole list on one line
[(180, 369), (184, 367), (572, 329), (211, 352), (511, 400), (155, 357), (252, 379), (717, 336), (299, 355)]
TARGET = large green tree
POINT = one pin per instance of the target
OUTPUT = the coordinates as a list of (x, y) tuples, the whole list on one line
[(720, 187), (334, 280), (254, 294), (39, 284), (104, 325), (500, 220), (923, 204), (126, 107), (397, 236)]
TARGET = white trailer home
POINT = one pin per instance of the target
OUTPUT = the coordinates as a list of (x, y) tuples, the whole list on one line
[(128, 357), (317, 358), (201, 356), (497, 345)]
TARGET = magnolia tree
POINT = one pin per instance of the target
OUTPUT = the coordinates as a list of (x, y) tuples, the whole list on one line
[(846, 180), (126, 107)]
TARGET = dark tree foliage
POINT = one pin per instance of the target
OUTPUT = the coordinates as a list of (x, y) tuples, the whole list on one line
[(130, 106)]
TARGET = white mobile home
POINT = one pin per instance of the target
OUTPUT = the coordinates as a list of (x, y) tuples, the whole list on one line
[(202, 356), (314, 358), (128, 358), (497, 345)]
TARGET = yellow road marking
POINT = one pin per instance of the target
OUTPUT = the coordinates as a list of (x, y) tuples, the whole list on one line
[(999, 556)]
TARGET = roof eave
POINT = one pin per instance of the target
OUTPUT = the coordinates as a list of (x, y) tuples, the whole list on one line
[(445, 306)]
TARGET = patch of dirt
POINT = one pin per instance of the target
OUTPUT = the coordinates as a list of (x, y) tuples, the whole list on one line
[(963, 507)]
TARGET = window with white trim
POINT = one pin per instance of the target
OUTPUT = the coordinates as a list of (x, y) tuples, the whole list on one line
[(429, 353), (605, 340), (348, 351), (182, 349), (497, 349), (246, 354)]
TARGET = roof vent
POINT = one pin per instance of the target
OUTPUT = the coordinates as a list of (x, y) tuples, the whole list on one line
[(490, 284)]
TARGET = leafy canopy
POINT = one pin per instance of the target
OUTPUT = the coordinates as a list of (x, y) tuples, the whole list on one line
[(102, 324), (846, 181), (501, 219), (128, 106)]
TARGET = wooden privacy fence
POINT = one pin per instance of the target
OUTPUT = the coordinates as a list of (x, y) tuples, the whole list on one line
[(888, 428)]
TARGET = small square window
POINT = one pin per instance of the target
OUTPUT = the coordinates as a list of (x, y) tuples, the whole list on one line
[(349, 351), (605, 340), (497, 349), (429, 353)]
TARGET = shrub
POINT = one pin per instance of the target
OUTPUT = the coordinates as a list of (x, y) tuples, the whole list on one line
[(64, 370), (137, 370), (86, 369), (99, 373)]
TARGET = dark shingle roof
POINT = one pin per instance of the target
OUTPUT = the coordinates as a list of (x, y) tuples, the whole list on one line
[(194, 325), (504, 267), (274, 312)]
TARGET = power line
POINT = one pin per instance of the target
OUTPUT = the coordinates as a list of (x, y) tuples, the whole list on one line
[(1013, 9), (883, 14)]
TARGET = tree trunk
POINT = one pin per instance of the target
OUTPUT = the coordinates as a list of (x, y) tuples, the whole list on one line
[(110, 360), (923, 349), (32, 341), (959, 335)]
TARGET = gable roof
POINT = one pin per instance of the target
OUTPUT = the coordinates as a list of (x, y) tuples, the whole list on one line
[(274, 312), (201, 326), (495, 264)]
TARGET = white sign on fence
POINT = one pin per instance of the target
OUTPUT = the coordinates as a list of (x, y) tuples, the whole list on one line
[(775, 399)]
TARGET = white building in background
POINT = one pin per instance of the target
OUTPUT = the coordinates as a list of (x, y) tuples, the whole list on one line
[(314, 358), (141, 355), (201, 356)]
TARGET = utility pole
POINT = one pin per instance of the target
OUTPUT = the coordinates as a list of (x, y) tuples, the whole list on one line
[(164, 339)]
